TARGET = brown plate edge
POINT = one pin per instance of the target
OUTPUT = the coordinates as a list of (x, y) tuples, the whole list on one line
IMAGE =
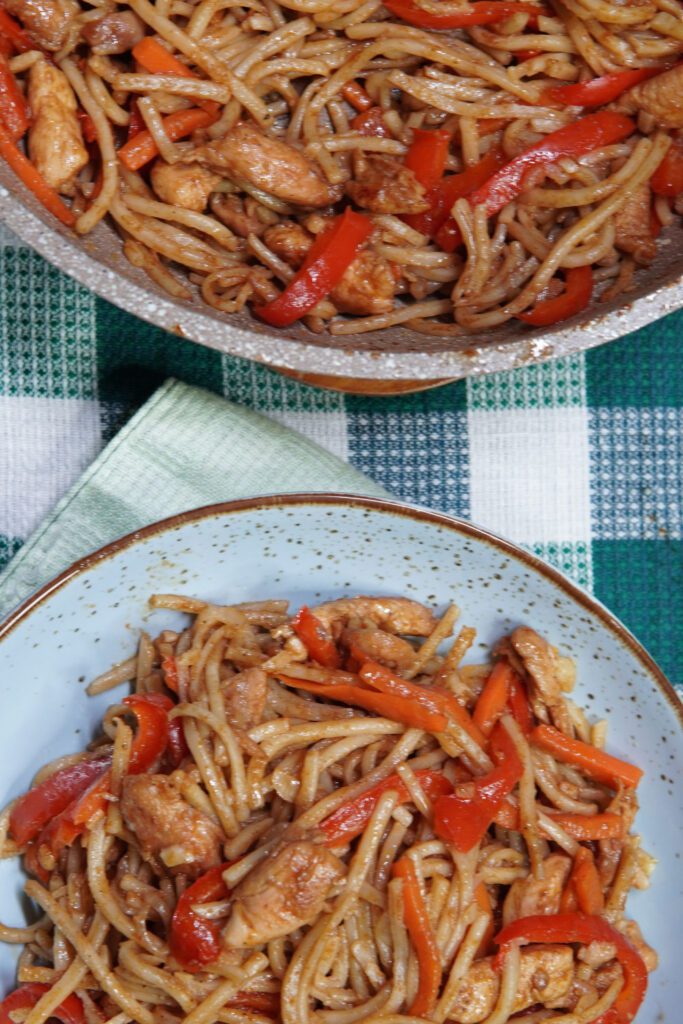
[(341, 499)]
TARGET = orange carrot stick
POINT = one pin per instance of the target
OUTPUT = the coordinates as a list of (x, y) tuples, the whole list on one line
[(389, 706), (437, 701), (493, 698), (156, 59), (585, 827), (419, 928), (586, 881), (356, 95), (595, 763), (142, 148)]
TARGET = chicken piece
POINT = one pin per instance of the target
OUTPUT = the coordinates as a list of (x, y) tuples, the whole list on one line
[(285, 891), (237, 215), (289, 241), (245, 698), (659, 96), (378, 645), (55, 142), (116, 32), (532, 895), (368, 285), (632, 222), (186, 185), (540, 661), (248, 155), (394, 614), (634, 935), (384, 185), (167, 826), (545, 975), (48, 22)]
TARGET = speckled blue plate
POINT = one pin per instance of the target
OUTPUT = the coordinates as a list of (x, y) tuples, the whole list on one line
[(311, 548)]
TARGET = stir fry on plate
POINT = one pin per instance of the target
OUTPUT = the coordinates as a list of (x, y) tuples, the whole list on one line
[(356, 164), (329, 818)]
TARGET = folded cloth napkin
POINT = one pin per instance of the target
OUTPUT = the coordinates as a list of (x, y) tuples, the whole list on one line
[(183, 449)]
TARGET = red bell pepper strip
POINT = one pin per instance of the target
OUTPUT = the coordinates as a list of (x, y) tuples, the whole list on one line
[(371, 122), (458, 186), (13, 106), (169, 669), (463, 817), (598, 91), (668, 178), (195, 941), (316, 638), (142, 148), (416, 918), (41, 804), (583, 136), (427, 155), (519, 705), (574, 298), (349, 820), (151, 737), (523, 55), (70, 1011), (149, 743), (484, 12), (493, 698), (436, 701), (32, 179), (585, 929), (15, 34), (596, 764), (356, 95), (396, 708), (136, 124), (329, 256)]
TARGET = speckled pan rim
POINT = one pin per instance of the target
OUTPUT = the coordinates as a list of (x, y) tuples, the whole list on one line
[(68, 254), (341, 500)]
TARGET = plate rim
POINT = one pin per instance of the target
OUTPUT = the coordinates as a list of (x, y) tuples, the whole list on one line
[(340, 499)]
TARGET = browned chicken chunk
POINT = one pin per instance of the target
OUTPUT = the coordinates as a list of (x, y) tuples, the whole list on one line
[(167, 826), (632, 222), (245, 698), (186, 185), (540, 661), (532, 895), (46, 21), (116, 32), (383, 184), (659, 96), (395, 614), (545, 975), (378, 645), (283, 892), (55, 142), (368, 285), (246, 154), (238, 215)]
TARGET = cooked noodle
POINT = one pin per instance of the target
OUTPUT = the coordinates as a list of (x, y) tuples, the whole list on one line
[(249, 846)]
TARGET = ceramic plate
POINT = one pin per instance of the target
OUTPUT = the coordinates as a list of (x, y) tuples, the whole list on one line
[(311, 548)]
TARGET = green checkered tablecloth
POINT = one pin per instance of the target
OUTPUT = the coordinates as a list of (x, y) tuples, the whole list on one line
[(580, 460)]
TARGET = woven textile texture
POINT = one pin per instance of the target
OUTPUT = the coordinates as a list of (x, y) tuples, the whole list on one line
[(580, 460)]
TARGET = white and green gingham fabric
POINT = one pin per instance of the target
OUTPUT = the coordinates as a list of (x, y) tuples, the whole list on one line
[(580, 460)]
